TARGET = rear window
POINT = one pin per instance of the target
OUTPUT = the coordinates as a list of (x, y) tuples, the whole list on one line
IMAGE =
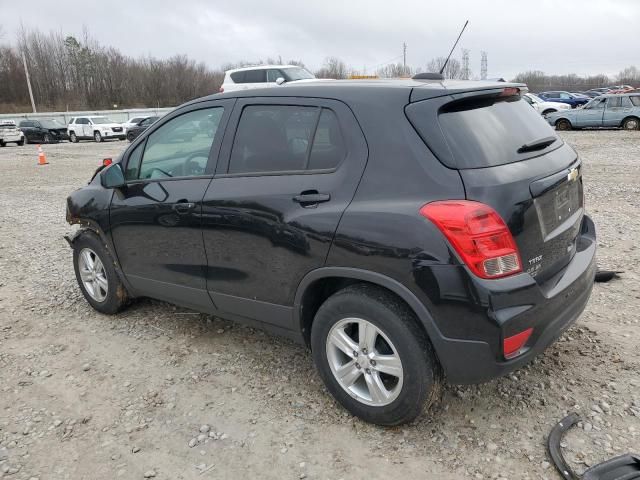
[(483, 131), (635, 100)]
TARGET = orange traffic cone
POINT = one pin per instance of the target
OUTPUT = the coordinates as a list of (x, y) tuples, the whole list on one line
[(42, 159)]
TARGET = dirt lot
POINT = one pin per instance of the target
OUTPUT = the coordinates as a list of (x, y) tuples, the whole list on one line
[(84, 396)]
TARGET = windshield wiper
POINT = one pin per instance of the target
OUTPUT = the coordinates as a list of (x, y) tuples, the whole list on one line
[(537, 144)]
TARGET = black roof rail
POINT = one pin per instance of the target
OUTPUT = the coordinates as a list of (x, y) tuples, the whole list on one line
[(428, 76)]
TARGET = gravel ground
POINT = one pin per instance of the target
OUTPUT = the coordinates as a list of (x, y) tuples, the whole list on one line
[(162, 392)]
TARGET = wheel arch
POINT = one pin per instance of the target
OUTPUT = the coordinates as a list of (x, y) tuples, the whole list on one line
[(320, 284), (635, 117)]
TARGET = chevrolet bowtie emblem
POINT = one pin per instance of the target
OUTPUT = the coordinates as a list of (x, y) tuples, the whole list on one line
[(572, 175)]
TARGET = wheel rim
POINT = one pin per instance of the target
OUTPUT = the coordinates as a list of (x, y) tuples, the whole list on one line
[(364, 362), (96, 136), (73, 137), (563, 125), (47, 138), (631, 124), (93, 275)]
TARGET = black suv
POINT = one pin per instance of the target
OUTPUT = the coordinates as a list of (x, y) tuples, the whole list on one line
[(405, 230)]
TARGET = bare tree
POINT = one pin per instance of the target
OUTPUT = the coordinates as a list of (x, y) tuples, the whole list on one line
[(394, 70), (333, 68), (452, 70)]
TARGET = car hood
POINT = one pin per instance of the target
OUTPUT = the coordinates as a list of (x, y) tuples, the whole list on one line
[(558, 105)]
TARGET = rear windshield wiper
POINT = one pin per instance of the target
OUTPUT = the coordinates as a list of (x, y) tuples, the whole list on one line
[(537, 144)]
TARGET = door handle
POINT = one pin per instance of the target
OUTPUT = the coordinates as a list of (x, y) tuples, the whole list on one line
[(184, 207), (311, 198)]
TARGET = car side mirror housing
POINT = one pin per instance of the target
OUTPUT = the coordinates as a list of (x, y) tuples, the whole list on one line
[(280, 81), (112, 176)]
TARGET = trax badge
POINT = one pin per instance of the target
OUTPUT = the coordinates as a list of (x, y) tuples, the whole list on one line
[(572, 175)]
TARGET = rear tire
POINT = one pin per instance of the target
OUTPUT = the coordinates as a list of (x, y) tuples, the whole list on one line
[(97, 137), (366, 390), (631, 123), (2, 144), (100, 285), (563, 124), (21, 142)]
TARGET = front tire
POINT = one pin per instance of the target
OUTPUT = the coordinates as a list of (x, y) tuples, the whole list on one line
[(131, 137), (97, 137), (631, 123), (563, 124), (96, 274), (73, 138), (46, 138), (373, 357)]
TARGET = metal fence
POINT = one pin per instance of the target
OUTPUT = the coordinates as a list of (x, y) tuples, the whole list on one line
[(118, 116)]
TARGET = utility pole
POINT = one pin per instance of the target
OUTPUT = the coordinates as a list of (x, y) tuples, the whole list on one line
[(26, 71), (404, 56)]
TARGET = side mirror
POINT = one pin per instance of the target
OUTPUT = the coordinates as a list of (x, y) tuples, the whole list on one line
[(280, 81), (112, 176)]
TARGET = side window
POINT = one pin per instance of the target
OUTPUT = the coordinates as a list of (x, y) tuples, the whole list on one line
[(273, 74), (328, 148), (133, 164), (614, 102), (635, 100), (71, 122), (82, 121), (272, 138), (565, 96), (255, 76), (599, 105), (180, 148), (626, 102), (238, 77), (280, 138)]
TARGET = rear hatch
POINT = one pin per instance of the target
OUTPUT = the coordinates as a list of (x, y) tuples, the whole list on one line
[(510, 159)]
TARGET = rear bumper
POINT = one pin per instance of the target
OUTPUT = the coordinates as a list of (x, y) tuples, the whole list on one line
[(515, 304)]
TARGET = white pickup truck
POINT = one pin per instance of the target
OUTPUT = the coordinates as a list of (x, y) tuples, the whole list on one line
[(96, 128)]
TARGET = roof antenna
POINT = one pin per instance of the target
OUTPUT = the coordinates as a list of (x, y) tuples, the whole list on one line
[(453, 48)]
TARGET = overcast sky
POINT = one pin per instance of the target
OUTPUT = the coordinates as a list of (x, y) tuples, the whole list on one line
[(556, 36)]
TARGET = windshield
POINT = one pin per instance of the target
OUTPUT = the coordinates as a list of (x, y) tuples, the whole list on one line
[(297, 74), (51, 124), (101, 120), (535, 98)]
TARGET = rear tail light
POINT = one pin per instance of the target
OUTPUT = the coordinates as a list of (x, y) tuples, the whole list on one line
[(106, 162), (478, 234), (510, 92), (513, 344)]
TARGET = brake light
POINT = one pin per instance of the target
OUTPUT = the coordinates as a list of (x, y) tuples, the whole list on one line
[(513, 344), (510, 92), (478, 234), (106, 162)]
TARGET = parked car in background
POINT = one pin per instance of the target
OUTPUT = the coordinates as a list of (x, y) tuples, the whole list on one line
[(132, 122), (462, 259), (97, 128), (43, 131), (9, 133), (263, 76), (138, 128), (610, 110), (596, 92), (543, 107), (621, 89), (564, 97)]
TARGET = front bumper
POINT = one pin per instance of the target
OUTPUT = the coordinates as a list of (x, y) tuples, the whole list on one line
[(515, 304)]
